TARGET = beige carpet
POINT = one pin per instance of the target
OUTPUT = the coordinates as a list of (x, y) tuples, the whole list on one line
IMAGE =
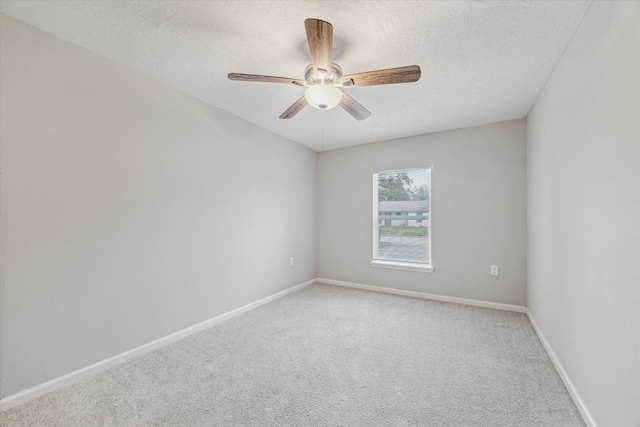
[(328, 356)]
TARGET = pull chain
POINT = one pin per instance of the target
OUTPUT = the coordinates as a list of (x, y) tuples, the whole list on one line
[(323, 113)]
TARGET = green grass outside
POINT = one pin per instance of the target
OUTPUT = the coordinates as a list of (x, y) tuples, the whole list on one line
[(404, 231)]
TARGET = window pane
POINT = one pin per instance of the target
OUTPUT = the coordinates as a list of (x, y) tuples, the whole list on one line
[(403, 216)]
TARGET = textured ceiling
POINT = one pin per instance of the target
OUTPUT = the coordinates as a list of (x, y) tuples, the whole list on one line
[(482, 61)]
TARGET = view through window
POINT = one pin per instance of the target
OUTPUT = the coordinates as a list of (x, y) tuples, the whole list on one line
[(402, 212)]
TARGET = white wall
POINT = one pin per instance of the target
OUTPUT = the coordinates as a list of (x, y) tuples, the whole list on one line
[(583, 162), (478, 212), (131, 211)]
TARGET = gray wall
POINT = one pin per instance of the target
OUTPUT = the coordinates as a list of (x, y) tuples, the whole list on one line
[(131, 211), (583, 159), (478, 212)]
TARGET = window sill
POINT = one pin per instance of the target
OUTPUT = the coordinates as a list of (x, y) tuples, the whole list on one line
[(398, 265)]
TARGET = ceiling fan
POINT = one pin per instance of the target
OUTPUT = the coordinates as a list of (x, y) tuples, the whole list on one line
[(324, 80)]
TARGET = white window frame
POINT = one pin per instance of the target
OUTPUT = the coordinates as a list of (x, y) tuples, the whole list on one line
[(426, 267)]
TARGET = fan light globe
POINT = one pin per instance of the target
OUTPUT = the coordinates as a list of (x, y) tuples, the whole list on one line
[(323, 97)]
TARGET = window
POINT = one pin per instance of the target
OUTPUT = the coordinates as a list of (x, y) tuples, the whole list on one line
[(402, 240)]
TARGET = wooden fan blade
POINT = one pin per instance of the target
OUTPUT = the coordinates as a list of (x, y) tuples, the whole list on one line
[(352, 107), (408, 74), (264, 79), (294, 109), (320, 38)]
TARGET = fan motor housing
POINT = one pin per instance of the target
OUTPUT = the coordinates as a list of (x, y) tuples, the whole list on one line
[(332, 78)]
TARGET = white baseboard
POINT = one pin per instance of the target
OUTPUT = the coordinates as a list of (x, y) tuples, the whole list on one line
[(465, 301), (573, 392), (57, 383)]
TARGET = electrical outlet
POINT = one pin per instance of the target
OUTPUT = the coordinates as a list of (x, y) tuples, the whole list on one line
[(495, 270), (291, 261)]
